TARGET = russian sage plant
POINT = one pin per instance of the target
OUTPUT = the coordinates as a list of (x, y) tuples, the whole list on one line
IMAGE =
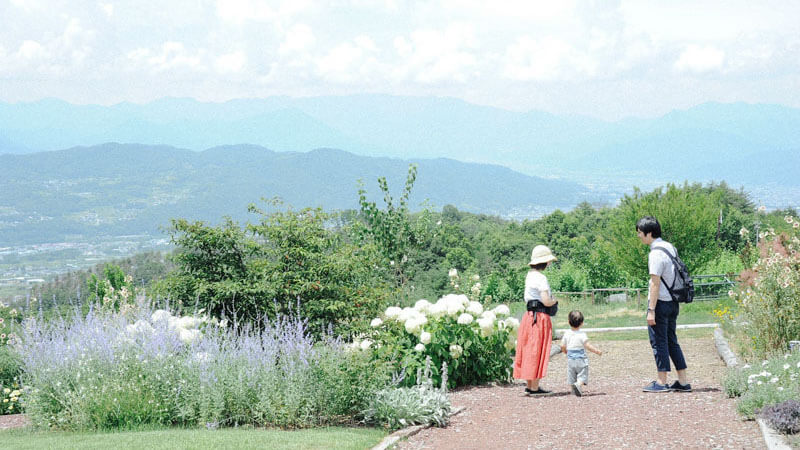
[(110, 370)]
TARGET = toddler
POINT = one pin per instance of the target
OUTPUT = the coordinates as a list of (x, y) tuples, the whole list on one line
[(575, 343)]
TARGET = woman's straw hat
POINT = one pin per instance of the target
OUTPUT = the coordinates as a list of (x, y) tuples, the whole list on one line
[(540, 255)]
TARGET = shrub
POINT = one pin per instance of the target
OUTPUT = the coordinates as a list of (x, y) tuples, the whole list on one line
[(110, 370), (784, 416), (769, 295), (10, 366), (397, 407), (475, 343), (10, 396)]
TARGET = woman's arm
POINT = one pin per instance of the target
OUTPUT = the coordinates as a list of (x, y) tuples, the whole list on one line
[(547, 300)]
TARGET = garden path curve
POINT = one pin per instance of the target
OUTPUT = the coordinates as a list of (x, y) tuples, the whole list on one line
[(614, 413)]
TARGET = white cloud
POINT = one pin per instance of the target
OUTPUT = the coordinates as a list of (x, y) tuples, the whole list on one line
[(350, 61), (171, 55), (231, 62), (433, 56), (31, 50), (239, 11), (546, 59), (700, 59), (299, 37), (107, 8)]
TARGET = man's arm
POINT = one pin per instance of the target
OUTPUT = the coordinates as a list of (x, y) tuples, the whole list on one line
[(652, 299)]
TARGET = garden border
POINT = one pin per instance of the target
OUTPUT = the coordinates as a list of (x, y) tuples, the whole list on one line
[(404, 433), (773, 439)]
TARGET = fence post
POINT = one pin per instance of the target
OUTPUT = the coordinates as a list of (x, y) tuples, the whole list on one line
[(593, 296), (638, 298)]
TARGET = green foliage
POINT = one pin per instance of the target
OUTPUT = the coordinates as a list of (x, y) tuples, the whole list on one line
[(764, 383), (688, 217), (114, 289), (289, 262), (727, 262), (422, 404), (11, 395), (769, 298)]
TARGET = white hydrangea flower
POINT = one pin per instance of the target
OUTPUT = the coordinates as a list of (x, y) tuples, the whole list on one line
[(419, 348), (413, 325), (436, 310), (189, 336), (512, 322), (786, 366), (425, 337), (773, 380), (465, 319), (392, 312), (406, 313), (489, 315), (160, 315), (376, 322), (456, 351), (366, 344), (501, 310), (476, 277), (475, 308), (487, 326), (452, 273), (422, 305), (188, 322)]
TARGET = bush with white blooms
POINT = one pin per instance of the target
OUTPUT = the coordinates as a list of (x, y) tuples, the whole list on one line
[(476, 343)]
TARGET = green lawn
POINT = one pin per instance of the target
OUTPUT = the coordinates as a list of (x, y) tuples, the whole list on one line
[(228, 438), (607, 315)]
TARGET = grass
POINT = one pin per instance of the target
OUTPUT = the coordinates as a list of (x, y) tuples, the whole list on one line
[(608, 315), (642, 335), (169, 439)]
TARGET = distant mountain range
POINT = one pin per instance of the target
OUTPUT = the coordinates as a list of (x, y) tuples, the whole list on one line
[(743, 144), (122, 189)]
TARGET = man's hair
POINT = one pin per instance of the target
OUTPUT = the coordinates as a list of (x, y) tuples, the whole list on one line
[(649, 224), (575, 318)]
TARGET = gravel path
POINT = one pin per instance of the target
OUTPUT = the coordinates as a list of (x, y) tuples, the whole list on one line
[(614, 413)]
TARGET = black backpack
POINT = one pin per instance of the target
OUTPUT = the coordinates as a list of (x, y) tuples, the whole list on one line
[(682, 289)]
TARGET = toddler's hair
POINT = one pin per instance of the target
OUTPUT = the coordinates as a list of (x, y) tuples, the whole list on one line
[(575, 318)]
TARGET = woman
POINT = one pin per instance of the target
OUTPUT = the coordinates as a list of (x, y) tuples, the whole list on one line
[(535, 333)]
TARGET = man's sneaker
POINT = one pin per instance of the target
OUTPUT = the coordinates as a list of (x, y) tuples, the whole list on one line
[(654, 386), (677, 387), (576, 388)]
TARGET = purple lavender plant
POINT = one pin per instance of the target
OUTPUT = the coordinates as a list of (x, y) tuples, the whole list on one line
[(783, 416)]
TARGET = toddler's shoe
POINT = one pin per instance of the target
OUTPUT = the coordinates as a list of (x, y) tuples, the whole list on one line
[(654, 386), (576, 388), (677, 387)]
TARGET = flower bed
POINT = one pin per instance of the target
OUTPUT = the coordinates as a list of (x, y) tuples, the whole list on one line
[(110, 370)]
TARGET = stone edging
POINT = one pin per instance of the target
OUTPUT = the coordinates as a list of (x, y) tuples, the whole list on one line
[(404, 433), (772, 438)]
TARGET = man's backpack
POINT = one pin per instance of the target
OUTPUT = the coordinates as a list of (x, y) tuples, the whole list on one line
[(682, 289)]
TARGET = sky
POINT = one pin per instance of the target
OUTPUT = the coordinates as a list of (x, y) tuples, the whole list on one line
[(607, 59)]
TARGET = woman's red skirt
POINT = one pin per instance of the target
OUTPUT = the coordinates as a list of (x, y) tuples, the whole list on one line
[(533, 346)]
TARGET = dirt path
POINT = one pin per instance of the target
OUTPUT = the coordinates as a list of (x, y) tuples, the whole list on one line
[(615, 413)]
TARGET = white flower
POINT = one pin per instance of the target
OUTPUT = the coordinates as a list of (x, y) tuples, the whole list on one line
[(376, 322), (452, 273), (422, 305), (465, 319), (201, 356), (476, 277), (501, 310), (763, 363), (425, 337), (475, 308), (798, 364), (188, 322), (773, 380), (786, 366), (407, 313), (475, 289), (746, 366), (189, 336), (392, 312), (759, 382), (780, 388), (512, 322), (159, 315), (436, 310), (456, 351), (413, 325), (487, 326), (489, 315), (419, 347), (454, 309), (366, 344)]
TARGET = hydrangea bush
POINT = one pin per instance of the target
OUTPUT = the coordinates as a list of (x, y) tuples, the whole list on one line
[(112, 370), (475, 343)]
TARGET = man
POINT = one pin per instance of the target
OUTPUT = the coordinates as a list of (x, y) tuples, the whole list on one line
[(662, 309)]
